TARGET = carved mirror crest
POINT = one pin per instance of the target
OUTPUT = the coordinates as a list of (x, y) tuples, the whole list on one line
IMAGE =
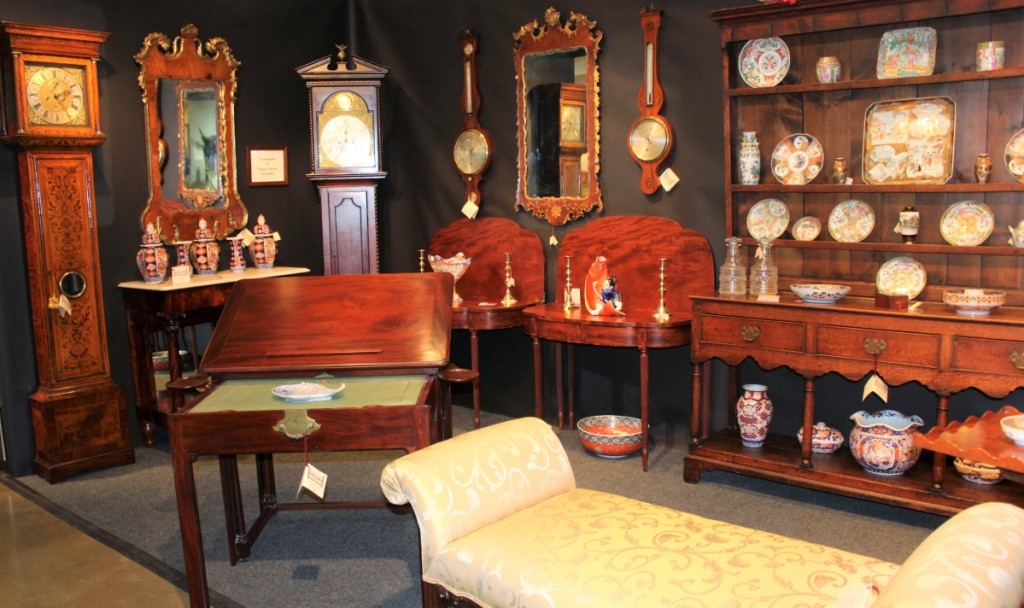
[(557, 104), (188, 90)]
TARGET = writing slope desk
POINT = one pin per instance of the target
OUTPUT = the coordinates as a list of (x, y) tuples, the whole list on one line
[(385, 336)]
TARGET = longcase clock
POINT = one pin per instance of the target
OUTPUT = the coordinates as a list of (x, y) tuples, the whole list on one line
[(345, 152), (650, 135), (51, 119)]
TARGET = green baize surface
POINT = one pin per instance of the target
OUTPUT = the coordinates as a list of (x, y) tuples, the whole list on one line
[(256, 395)]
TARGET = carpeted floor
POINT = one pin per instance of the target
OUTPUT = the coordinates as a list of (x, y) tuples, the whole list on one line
[(363, 558)]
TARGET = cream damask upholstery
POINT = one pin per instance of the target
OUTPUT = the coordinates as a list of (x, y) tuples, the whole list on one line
[(503, 524)]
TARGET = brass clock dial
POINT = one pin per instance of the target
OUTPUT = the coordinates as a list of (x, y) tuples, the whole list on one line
[(472, 152), (650, 138), (346, 137), (55, 94)]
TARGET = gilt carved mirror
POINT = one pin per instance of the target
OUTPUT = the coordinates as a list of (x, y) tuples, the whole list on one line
[(557, 106), (188, 91)]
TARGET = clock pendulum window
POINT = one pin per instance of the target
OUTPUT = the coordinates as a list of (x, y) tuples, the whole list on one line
[(79, 415), (345, 140), (472, 152), (650, 135)]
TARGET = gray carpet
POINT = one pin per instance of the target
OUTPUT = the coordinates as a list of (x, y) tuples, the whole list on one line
[(364, 558)]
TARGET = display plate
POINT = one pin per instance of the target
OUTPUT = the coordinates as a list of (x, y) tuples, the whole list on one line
[(906, 52), (797, 159), (768, 219), (909, 141), (1014, 156), (851, 221), (806, 228), (764, 62), (902, 276), (304, 392), (967, 223)]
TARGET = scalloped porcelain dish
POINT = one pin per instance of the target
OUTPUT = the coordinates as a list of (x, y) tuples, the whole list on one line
[(820, 293), (967, 223), (974, 302), (851, 221), (1014, 156), (304, 392), (906, 52), (1013, 427), (806, 228), (902, 276), (768, 219), (764, 62), (797, 159)]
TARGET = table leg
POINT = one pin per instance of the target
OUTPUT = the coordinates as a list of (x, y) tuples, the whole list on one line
[(570, 366), (234, 512), (805, 447), (558, 385), (140, 353), (939, 462), (705, 428), (191, 535), (538, 381), (697, 406), (474, 361), (644, 417)]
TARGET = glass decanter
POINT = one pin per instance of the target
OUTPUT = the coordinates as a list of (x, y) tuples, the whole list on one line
[(732, 276), (764, 276)]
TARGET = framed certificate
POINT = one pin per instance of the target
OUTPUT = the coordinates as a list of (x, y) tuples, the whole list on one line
[(268, 166)]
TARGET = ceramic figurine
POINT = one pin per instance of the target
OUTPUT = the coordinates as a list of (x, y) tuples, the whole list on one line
[(204, 251), (152, 258), (263, 248), (983, 168), (883, 442), (601, 296)]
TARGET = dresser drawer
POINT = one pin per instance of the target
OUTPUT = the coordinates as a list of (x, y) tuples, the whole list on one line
[(988, 356), (737, 331), (903, 348)]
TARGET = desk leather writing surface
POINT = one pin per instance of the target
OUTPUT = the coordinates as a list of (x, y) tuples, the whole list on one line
[(257, 395)]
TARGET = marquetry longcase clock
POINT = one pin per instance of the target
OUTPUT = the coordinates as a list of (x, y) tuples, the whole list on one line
[(51, 119), (345, 152)]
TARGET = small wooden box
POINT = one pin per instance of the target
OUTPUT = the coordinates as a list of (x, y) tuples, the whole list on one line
[(893, 301)]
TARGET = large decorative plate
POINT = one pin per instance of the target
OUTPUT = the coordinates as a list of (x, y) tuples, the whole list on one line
[(806, 228), (902, 276), (768, 219), (906, 52), (764, 62), (967, 223), (304, 392), (851, 221), (797, 159), (1015, 156), (909, 141)]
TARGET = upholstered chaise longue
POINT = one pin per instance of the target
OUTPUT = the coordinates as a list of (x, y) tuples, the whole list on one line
[(502, 523)]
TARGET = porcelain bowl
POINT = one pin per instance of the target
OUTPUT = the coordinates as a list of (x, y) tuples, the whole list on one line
[(820, 293), (610, 436), (977, 472), (1013, 427), (973, 302)]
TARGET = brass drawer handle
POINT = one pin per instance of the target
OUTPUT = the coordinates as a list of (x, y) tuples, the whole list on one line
[(750, 333), (874, 346), (1017, 359)]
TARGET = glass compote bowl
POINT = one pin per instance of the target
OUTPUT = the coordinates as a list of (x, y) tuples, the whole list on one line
[(456, 266)]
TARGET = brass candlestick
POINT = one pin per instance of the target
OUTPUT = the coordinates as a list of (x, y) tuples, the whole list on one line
[(421, 258), (508, 300), (662, 314), (568, 305)]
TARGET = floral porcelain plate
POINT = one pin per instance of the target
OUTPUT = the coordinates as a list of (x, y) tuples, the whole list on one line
[(906, 52), (851, 221), (764, 62), (1015, 156), (768, 219), (304, 392), (902, 276), (967, 223), (797, 159), (909, 141), (806, 228)]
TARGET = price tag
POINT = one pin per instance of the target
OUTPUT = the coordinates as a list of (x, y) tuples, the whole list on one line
[(246, 236), (64, 306), (876, 385), (668, 179), (314, 481), (277, 236), (470, 209)]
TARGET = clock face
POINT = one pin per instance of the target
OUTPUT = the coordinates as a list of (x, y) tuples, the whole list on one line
[(472, 152), (347, 142), (572, 124), (55, 95), (649, 139)]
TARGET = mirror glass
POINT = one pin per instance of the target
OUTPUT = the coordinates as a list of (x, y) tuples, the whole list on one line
[(188, 89), (557, 83)]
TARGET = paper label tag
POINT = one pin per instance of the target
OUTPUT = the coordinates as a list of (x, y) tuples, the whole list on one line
[(246, 236), (64, 306), (553, 241), (470, 209), (277, 236), (876, 385), (668, 179), (313, 481), (574, 297), (181, 274), (764, 297)]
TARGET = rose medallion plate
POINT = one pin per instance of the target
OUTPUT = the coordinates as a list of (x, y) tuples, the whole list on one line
[(906, 52), (304, 392), (806, 228), (768, 219), (764, 62), (1015, 156), (902, 276), (967, 223), (909, 141), (851, 221), (797, 159)]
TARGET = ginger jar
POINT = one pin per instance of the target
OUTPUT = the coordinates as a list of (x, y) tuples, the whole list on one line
[(883, 442), (824, 439)]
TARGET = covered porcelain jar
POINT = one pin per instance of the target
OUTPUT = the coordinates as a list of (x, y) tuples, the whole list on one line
[(883, 442), (824, 439)]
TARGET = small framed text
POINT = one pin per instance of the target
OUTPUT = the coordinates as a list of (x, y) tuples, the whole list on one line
[(268, 166)]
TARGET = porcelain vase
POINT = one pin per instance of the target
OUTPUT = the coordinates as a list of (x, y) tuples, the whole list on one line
[(205, 255), (263, 248), (754, 414), (152, 261), (236, 261), (883, 442), (750, 159)]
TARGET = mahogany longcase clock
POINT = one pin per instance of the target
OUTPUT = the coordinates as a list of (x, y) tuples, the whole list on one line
[(51, 119), (345, 152)]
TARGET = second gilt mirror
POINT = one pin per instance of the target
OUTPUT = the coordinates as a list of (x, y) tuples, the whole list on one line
[(557, 112)]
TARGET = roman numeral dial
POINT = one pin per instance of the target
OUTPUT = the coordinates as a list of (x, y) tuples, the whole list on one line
[(55, 95)]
